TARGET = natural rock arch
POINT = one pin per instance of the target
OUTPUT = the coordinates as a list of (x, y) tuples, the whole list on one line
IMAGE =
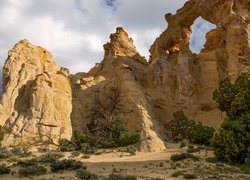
[(200, 29)]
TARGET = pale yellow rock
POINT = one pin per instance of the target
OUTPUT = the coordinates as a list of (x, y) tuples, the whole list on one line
[(36, 100)]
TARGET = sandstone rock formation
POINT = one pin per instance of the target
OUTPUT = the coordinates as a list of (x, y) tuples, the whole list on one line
[(122, 67), (189, 78), (36, 101), (38, 104)]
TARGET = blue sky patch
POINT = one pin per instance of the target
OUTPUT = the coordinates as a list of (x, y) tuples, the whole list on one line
[(198, 38), (110, 3)]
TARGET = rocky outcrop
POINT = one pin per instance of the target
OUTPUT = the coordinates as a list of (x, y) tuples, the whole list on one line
[(190, 79), (36, 101), (122, 68), (42, 103)]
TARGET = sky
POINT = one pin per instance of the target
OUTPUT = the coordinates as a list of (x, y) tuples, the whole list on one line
[(74, 31)]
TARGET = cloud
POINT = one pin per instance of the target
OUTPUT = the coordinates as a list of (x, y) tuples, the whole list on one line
[(75, 30)]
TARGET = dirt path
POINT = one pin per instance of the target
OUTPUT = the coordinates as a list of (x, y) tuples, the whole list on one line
[(139, 157)]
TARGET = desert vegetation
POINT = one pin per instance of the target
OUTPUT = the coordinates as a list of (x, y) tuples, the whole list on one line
[(201, 153), (232, 142), (181, 127), (106, 128)]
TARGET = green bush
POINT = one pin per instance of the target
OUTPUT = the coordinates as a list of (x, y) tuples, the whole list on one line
[(231, 143), (32, 171), (131, 150), (201, 134), (177, 173), (83, 174), (184, 143), (85, 156), (66, 164), (246, 167), (192, 149), (20, 151), (128, 138), (116, 135), (211, 159), (50, 157), (189, 176), (182, 156), (28, 162), (181, 128), (75, 154), (66, 145), (4, 169), (118, 176), (87, 148), (4, 153), (80, 139)]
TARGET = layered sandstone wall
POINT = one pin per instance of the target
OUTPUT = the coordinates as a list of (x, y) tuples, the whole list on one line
[(36, 100)]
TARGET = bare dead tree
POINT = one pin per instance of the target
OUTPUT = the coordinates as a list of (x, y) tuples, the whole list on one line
[(104, 114)]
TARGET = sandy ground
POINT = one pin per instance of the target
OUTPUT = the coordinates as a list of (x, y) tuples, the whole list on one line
[(146, 166)]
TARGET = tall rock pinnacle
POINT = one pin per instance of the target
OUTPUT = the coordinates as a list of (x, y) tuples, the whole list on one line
[(36, 101)]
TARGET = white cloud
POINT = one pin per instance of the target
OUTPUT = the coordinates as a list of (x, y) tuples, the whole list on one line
[(75, 30)]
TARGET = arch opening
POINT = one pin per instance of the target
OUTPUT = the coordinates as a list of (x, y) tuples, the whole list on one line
[(200, 28)]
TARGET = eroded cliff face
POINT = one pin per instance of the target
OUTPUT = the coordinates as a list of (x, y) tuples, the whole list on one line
[(122, 68), (41, 102), (36, 100), (190, 79)]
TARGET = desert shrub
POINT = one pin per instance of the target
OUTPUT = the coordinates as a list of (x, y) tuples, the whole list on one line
[(127, 138), (81, 139), (176, 173), (4, 153), (66, 145), (75, 154), (117, 135), (1, 134), (182, 156), (66, 164), (231, 143), (32, 171), (211, 159), (50, 157), (85, 156), (118, 176), (27, 162), (87, 148), (20, 151), (184, 143), (4, 169), (192, 149), (131, 150), (83, 174), (80, 142), (181, 128), (246, 167), (189, 176)]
